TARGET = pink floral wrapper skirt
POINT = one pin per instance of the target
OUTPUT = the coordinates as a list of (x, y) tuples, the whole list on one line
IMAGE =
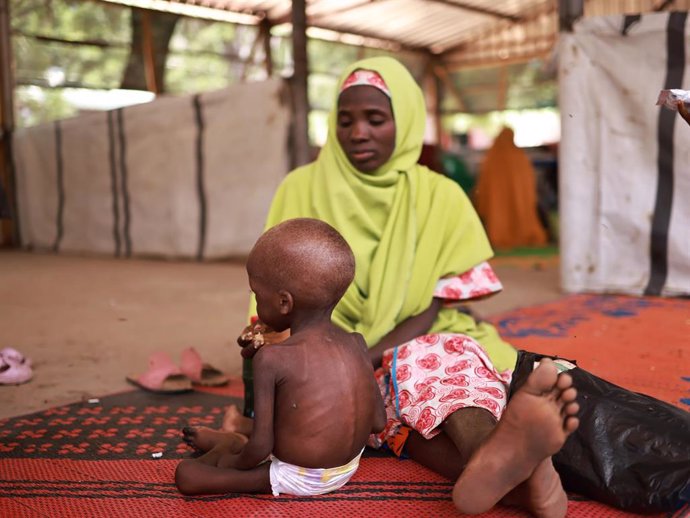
[(426, 379)]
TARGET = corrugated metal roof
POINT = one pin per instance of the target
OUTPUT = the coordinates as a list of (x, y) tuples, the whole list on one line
[(463, 32), (507, 44), (429, 25), (434, 25)]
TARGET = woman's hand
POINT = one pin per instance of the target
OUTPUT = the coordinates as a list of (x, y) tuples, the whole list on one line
[(413, 327)]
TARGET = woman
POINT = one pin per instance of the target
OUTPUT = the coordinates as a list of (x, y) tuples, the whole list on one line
[(419, 246), (506, 195)]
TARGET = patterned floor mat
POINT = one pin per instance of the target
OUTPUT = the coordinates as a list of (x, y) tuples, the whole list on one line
[(115, 457)]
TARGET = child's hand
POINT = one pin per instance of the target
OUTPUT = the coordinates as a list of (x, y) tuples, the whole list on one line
[(683, 111), (258, 334), (252, 339), (253, 334)]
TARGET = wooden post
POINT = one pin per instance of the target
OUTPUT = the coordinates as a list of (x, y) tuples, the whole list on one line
[(502, 97), (265, 29), (9, 229), (258, 40), (441, 72), (149, 53), (433, 98), (569, 11), (300, 99)]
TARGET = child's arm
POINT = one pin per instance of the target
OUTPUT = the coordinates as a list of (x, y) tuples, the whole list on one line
[(379, 418), (379, 412), (260, 443)]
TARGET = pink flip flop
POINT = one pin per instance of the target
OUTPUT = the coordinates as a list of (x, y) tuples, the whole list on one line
[(14, 356), (199, 372), (162, 376), (14, 373)]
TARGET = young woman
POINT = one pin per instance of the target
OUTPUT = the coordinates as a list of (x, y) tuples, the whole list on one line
[(419, 248)]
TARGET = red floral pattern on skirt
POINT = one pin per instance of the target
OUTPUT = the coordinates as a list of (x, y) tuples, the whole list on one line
[(426, 379)]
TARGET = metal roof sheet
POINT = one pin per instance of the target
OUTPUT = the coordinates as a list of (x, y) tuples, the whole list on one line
[(462, 32)]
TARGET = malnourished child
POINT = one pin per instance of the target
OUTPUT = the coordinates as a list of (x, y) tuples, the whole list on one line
[(316, 400)]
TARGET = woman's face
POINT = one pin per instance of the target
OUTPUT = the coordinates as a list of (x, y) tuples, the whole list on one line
[(365, 127)]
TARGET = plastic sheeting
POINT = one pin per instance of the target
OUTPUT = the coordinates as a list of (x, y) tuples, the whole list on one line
[(624, 162), (180, 177)]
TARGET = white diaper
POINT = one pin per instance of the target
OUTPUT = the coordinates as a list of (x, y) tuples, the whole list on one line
[(298, 481)]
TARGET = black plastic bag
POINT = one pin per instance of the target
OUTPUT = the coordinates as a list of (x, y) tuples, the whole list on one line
[(630, 451)]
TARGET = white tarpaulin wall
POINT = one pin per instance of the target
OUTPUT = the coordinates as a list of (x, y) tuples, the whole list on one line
[(624, 162), (184, 177)]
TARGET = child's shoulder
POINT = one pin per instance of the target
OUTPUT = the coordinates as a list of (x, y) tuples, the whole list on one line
[(328, 337)]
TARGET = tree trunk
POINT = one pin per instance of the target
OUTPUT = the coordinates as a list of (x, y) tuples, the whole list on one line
[(162, 26)]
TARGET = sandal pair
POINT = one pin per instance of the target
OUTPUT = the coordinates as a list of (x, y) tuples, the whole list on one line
[(165, 377), (15, 368)]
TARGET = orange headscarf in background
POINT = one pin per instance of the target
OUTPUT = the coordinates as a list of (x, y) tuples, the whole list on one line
[(506, 195)]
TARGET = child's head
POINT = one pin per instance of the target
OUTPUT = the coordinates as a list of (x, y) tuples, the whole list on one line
[(301, 263)]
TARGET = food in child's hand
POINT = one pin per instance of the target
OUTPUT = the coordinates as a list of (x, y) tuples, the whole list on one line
[(670, 98)]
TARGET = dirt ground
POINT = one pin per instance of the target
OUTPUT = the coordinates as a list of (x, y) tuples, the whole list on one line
[(89, 322)]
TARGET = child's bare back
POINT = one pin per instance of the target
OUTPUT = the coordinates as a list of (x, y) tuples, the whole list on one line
[(326, 400), (315, 397)]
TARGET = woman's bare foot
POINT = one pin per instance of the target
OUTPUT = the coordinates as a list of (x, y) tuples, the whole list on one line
[(534, 426), (542, 493), (204, 439), (234, 421)]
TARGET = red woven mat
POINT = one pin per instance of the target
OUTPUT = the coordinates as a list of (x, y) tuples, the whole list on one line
[(642, 344), (95, 459)]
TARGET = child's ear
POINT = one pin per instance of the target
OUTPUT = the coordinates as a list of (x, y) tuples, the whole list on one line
[(285, 302)]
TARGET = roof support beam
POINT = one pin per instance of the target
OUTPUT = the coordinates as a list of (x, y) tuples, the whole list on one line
[(433, 98), (661, 6), (148, 53), (9, 231), (265, 29), (442, 73), (259, 38), (300, 99), (448, 54), (569, 11)]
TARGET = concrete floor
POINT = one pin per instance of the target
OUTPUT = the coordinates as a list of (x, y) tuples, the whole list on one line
[(88, 322)]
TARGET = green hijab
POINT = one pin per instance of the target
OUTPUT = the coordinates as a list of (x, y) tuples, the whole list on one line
[(408, 226)]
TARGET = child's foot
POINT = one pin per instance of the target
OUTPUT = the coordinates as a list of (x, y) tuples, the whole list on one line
[(534, 426), (204, 439), (234, 421)]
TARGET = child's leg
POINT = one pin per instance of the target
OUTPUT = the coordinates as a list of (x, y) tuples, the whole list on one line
[(223, 453), (516, 457), (203, 439), (235, 421), (196, 478)]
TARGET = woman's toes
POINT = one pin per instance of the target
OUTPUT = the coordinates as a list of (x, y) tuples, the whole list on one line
[(569, 395), (564, 381)]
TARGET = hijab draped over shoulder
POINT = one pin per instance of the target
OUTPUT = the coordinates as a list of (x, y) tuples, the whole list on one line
[(408, 226)]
